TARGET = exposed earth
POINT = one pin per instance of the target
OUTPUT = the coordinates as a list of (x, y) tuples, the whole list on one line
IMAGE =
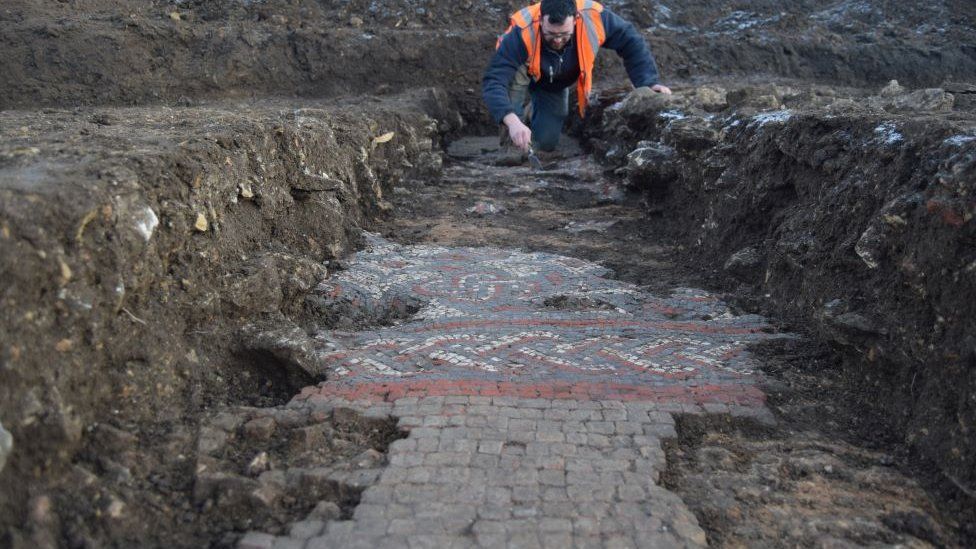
[(269, 280)]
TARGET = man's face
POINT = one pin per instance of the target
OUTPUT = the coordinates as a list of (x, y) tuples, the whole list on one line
[(556, 36)]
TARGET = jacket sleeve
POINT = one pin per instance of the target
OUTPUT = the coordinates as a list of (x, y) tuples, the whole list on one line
[(623, 38), (510, 55)]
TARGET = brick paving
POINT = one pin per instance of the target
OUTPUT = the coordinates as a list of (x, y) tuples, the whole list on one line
[(501, 471), (535, 393)]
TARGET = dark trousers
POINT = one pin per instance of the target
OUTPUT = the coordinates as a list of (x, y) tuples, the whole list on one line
[(548, 110)]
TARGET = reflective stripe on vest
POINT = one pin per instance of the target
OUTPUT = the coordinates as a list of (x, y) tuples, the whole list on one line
[(589, 34)]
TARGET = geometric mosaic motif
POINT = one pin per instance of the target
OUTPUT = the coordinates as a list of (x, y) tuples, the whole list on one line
[(477, 318)]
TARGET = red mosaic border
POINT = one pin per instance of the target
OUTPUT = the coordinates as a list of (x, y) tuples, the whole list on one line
[(741, 395)]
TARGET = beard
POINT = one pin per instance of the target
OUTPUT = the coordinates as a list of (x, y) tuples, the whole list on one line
[(551, 45)]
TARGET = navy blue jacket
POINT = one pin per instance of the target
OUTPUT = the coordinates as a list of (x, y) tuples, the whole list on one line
[(562, 70)]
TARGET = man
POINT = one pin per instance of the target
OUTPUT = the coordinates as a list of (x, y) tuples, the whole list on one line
[(549, 47)]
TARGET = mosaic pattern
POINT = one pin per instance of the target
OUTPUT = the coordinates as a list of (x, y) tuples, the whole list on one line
[(496, 322)]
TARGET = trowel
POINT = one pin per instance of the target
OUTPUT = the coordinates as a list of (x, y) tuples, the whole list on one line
[(534, 160)]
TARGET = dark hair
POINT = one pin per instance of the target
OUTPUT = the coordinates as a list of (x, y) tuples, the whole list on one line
[(558, 10)]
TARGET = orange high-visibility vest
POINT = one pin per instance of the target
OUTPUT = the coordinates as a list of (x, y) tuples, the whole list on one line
[(589, 35)]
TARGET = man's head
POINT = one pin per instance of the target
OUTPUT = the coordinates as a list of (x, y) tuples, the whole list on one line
[(558, 22)]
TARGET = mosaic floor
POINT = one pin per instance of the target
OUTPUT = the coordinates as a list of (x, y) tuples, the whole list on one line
[(483, 321)]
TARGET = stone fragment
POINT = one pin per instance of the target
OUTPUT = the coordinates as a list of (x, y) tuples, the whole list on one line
[(288, 419), (711, 99), (857, 323), (115, 508), (257, 289), (892, 88), (307, 438), (847, 327), (289, 344), (593, 226), (643, 102), (932, 99), (111, 441), (483, 208), (245, 191), (692, 134), (227, 421), (744, 264), (259, 464), (6, 446), (307, 182), (651, 163), (369, 459), (306, 529), (753, 98), (60, 422), (267, 493), (325, 511), (256, 540), (649, 155), (228, 489), (260, 428), (869, 246), (201, 224), (211, 440), (40, 512)]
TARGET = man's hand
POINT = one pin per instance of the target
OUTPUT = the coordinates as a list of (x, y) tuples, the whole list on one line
[(520, 133), (658, 88)]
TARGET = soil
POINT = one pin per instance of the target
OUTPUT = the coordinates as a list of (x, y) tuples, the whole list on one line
[(120, 52), (180, 175), (146, 253), (830, 213)]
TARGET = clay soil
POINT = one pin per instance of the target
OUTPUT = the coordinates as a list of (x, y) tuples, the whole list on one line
[(175, 177)]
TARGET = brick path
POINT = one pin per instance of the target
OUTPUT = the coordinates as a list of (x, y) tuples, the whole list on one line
[(535, 393)]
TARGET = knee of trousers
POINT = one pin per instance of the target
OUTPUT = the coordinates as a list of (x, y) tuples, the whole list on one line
[(546, 140)]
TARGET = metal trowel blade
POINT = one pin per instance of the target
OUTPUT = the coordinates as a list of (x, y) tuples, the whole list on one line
[(534, 160)]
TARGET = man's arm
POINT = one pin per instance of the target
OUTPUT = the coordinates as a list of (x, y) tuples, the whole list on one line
[(623, 38), (510, 55)]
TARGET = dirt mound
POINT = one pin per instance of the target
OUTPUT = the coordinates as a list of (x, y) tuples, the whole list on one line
[(126, 52), (852, 215), (753, 486), (138, 244)]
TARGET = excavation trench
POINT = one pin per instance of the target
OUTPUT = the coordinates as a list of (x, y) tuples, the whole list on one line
[(162, 263), (745, 482), (172, 398), (215, 239)]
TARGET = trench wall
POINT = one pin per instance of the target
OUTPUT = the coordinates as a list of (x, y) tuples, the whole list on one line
[(119, 52), (137, 244), (852, 219)]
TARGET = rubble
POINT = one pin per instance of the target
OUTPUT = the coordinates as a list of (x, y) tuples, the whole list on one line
[(6, 446)]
